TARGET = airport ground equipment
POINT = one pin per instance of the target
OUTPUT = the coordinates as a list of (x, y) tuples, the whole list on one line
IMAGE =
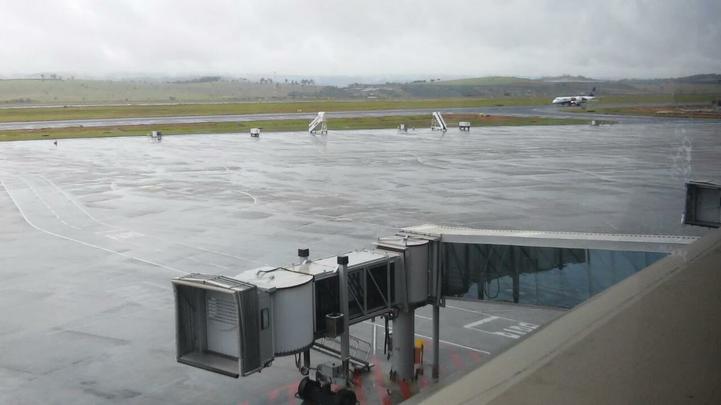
[(321, 394), (318, 125), (155, 136), (255, 132), (703, 204), (238, 325), (464, 126), (402, 128), (438, 123)]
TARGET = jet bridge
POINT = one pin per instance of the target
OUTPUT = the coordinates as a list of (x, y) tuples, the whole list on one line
[(225, 324), (237, 325), (532, 267)]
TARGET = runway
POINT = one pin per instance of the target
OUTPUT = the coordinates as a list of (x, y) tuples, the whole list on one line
[(523, 111)]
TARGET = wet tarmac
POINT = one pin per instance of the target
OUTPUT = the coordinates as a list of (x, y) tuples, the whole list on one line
[(92, 230)]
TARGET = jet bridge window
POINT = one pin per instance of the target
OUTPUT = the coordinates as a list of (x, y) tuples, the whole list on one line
[(264, 319), (381, 286), (327, 301)]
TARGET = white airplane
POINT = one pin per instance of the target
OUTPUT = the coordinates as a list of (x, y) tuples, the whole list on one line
[(574, 100)]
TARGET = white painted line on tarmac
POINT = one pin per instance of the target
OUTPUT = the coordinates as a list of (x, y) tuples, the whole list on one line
[(115, 228), (487, 314), (473, 349), (162, 266), (80, 207), (515, 331), (255, 200), (481, 322), (42, 200), (503, 334)]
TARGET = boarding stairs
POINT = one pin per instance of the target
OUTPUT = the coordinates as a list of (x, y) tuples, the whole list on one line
[(318, 125), (438, 123)]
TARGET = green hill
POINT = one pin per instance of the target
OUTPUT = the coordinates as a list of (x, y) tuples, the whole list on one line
[(485, 81)]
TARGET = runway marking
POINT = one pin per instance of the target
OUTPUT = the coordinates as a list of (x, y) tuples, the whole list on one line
[(486, 314), (42, 200), (123, 235), (255, 200), (481, 322), (57, 235), (72, 201), (473, 349), (92, 218), (509, 329)]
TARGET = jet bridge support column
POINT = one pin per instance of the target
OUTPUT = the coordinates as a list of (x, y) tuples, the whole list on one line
[(436, 340), (345, 337), (403, 345), (436, 286)]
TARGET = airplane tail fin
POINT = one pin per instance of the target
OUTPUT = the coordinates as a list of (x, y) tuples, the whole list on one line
[(593, 92)]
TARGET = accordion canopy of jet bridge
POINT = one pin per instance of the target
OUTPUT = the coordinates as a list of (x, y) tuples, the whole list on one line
[(560, 269)]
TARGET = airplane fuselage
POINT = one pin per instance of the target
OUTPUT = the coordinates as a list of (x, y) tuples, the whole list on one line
[(572, 100)]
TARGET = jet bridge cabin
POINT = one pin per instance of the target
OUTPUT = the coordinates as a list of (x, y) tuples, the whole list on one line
[(222, 324)]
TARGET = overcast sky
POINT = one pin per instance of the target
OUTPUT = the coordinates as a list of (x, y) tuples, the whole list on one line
[(605, 39)]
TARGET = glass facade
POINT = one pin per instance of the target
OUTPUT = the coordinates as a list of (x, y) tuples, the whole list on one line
[(546, 276)]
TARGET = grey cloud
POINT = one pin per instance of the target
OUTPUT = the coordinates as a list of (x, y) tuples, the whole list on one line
[(522, 37)]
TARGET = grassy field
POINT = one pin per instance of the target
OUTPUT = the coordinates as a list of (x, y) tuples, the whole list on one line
[(419, 121), (655, 99), (216, 89), (128, 111), (676, 111), (29, 91)]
